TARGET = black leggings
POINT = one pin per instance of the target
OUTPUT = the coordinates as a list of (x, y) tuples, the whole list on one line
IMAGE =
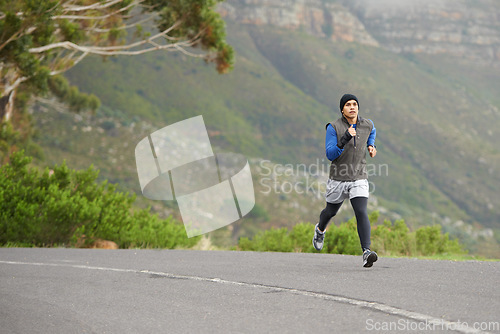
[(359, 204)]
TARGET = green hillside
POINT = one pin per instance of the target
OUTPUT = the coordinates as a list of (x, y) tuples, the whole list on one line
[(430, 118), (424, 116)]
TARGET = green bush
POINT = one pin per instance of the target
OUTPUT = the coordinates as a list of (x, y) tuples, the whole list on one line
[(60, 206), (342, 239), (273, 240), (301, 238), (431, 241), (393, 239)]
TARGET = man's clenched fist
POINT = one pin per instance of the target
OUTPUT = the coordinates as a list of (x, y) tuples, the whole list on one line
[(352, 130), (372, 150)]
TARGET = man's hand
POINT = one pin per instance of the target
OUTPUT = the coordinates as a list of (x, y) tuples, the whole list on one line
[(352, 130), (372, 150), (346, 137)]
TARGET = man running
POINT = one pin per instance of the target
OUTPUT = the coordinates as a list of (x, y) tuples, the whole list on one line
[(347, 140)]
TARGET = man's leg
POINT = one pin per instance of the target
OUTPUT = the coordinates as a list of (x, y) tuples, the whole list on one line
[(324, 218), (360, 204), (328, 213)]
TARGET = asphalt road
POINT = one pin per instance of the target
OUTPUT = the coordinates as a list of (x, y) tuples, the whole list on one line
[(178, 291)]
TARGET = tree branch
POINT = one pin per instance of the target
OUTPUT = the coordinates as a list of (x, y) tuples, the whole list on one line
[(17, 35), (11, 38), (76, 61), (74, 8), (187, 53), (104, 49), (9, 88), (84, 17), (125, 27)]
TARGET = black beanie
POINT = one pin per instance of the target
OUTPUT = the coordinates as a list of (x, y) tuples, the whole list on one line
[(345, 98)]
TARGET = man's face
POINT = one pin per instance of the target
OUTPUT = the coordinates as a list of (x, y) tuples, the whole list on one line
[(350, 110)]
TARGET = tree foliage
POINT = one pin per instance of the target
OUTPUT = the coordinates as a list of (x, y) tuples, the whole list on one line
[(43, 38)]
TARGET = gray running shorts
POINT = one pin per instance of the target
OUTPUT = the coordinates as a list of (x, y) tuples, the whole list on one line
[(338, 191)]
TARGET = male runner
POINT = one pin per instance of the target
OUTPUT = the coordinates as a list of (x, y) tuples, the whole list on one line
[(347, 140)]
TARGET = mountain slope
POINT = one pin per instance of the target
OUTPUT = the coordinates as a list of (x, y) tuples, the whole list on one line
[(430, 122), (286, 86)]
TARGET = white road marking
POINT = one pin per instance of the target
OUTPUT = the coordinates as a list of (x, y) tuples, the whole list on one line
[(437, 322)]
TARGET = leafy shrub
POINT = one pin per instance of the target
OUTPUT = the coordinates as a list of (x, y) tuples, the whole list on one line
[(301, 238), (431, 241), (273, 240), (60, 206), (342, 239), (393, 239), (387, 239)]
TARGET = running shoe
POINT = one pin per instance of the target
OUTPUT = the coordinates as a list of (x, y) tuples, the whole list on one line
[(369, 257), (318, 239)]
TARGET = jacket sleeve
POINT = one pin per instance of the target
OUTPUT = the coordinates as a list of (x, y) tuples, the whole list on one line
[(332, 150), (371, 137)]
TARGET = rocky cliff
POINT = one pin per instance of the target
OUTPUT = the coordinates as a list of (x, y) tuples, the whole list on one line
[(325, 19), (467, 29)]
